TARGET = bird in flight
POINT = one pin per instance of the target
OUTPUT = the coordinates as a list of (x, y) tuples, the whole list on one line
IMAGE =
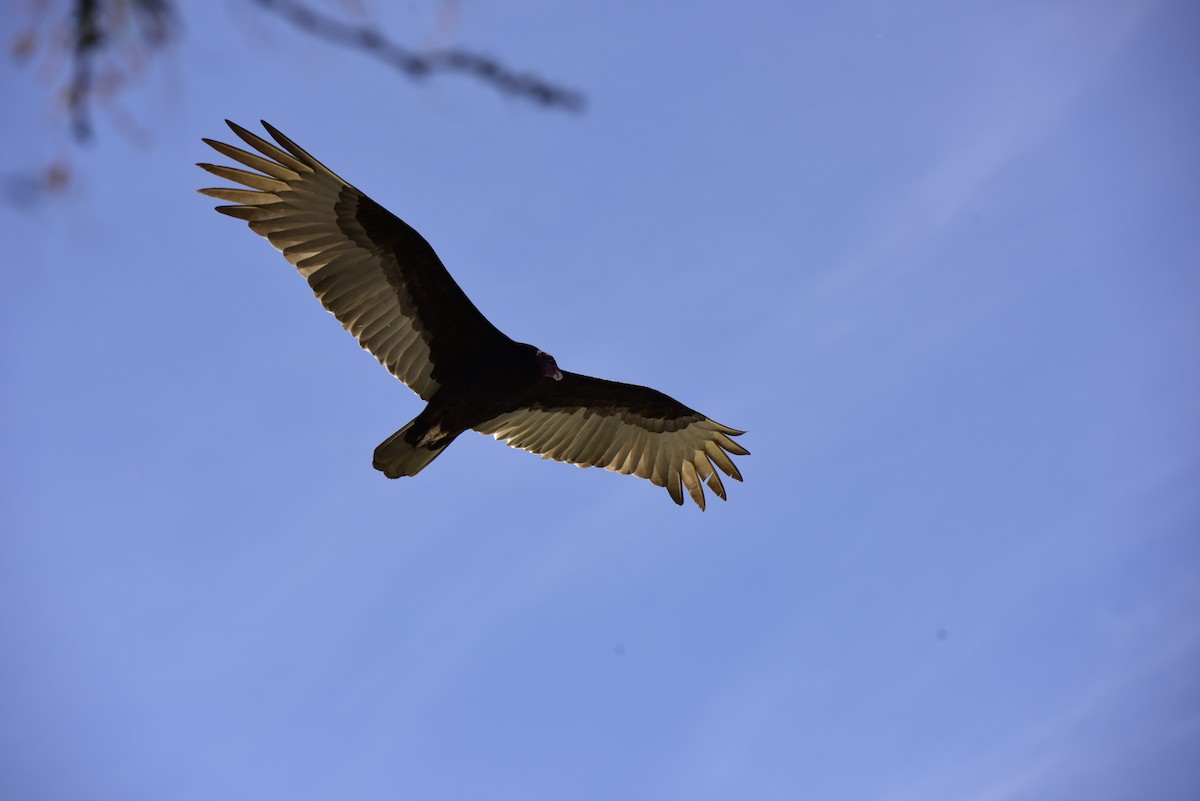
[(387, 287)]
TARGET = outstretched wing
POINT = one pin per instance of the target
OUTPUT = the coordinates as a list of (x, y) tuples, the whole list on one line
[(377, 275), (592, 422)]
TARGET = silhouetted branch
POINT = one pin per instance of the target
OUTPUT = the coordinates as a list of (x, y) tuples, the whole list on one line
[(94, 49), (96, 26), (86, 41), (418, 65)]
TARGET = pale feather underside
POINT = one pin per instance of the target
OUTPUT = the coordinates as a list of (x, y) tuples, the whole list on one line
[(309, 214), (677, 454)]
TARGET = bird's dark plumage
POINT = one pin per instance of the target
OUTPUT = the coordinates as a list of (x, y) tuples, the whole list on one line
[(388, 288)]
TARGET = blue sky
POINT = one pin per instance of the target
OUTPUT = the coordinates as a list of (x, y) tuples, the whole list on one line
[(939, 259)]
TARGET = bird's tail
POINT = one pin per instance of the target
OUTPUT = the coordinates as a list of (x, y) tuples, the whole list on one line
[(396, 456)]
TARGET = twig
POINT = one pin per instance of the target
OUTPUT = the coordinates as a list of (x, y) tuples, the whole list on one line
[(419, 65)]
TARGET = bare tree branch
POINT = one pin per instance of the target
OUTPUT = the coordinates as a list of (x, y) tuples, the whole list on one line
[(98, 28), (86, 41), (419, 65), (104, 45), (107, 42)]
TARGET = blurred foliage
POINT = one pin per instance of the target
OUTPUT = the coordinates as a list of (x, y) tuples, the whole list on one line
[(100, 46), (92, 50)]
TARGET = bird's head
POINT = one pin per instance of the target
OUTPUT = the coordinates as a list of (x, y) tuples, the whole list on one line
[(547, 366)]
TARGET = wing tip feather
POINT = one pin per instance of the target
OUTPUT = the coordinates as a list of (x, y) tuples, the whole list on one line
[(245, 213)]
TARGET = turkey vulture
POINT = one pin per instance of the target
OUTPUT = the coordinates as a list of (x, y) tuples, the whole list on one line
[(387, 287)]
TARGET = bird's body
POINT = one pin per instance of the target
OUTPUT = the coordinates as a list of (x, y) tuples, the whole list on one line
[(466, 398), (386, 285)]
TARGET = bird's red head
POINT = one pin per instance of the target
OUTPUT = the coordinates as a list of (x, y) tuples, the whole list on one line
[(547, 366)]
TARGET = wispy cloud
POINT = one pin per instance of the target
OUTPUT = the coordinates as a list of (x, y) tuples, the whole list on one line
[(1031, 81)]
